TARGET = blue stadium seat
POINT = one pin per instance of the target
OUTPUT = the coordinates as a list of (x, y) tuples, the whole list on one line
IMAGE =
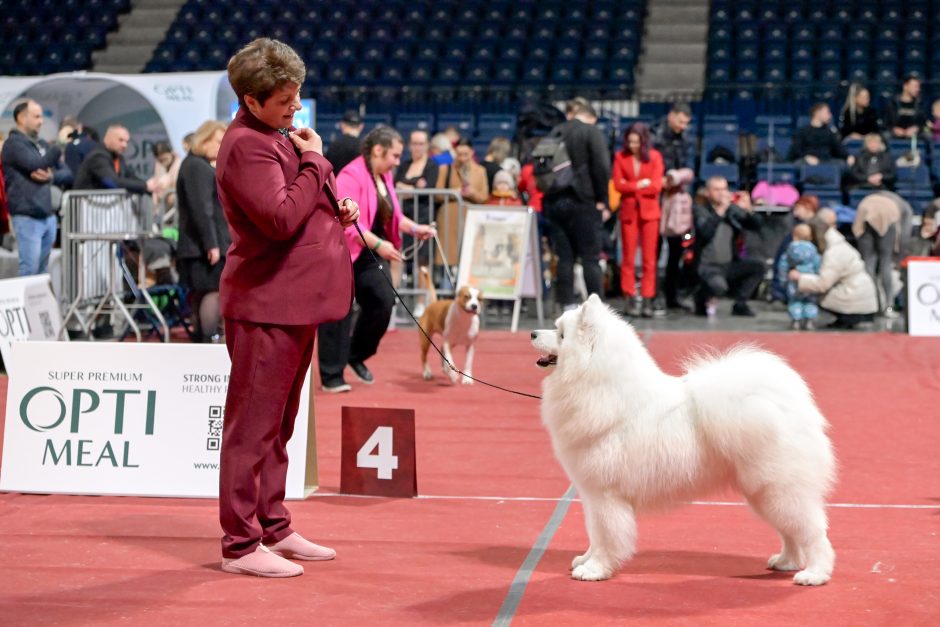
[(852, 146), (913, 178), (407, 122), (496, 124), (777, 173), (726, 140), (505, 72), (728, 171), (463, 122), (821, 176), (714, 124), (901, 147), (371, 120), (620, 74), (327, 124)]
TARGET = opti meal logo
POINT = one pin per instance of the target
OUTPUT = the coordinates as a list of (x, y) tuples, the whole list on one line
[(129, 413)]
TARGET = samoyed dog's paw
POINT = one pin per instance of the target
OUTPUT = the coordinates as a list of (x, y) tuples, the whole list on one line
[(580, 559), (782, 562), (591, 570), (466, 380), (810, 578)]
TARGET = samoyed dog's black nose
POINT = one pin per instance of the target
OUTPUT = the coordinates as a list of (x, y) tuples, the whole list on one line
[(535, 334)]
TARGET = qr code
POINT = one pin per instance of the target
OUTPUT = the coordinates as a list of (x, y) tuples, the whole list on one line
[(216, 417), (46, 322)]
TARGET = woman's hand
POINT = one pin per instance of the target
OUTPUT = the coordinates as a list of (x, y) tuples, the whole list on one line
[(214, 255), (306, 139), (348, 212), (794, 275), (643, 183), (424, 231), (388, 252)]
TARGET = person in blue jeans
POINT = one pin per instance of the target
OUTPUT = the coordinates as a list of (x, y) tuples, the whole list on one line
[(801, 255), (30, 166)]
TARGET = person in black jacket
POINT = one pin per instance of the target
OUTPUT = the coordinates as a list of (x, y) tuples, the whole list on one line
[(858, 118), (346, 147), (79, 141), (718, 227), (204, 236), (874, 167), (105, 167), (669, 137), (30, 166), (818, 142), (574, 214), (904, 115)]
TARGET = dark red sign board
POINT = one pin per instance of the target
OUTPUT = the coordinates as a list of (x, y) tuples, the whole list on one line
[(378, 457)]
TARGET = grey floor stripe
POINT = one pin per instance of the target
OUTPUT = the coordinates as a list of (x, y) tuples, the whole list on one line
[(521, 580)]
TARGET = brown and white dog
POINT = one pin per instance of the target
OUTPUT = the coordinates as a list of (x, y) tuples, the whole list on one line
[(456, 320)]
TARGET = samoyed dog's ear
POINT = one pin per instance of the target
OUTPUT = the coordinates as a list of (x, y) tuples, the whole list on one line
[(588, 321)]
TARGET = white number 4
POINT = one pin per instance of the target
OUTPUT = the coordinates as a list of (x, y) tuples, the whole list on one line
[(383, 461)]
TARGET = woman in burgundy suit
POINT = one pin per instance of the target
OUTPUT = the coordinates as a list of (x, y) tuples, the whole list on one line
[(287, 270), (638, 176)]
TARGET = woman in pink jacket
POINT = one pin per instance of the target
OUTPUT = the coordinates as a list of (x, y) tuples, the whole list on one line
[(369, 181), (638, 176)]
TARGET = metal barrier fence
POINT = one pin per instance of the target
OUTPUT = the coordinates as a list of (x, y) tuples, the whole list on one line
[(447, 210), (95, 223)]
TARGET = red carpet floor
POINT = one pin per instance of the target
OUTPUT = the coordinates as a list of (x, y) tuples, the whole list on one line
[(489, 486)]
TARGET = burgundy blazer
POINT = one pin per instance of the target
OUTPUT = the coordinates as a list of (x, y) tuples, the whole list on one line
[(288, 262)]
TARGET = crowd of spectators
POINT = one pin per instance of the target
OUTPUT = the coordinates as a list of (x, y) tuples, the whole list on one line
[(675, 247)]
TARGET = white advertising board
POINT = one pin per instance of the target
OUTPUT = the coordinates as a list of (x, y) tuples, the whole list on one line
[(923, 298), (127, 419), (28, 311)]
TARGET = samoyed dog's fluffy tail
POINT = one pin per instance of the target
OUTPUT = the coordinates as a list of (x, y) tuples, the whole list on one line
[(634, 438)]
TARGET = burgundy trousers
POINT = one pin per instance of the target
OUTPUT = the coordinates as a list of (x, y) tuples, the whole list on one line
[(269, 363)]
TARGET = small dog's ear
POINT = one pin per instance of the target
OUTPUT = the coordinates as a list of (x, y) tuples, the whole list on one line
[(594, 299)]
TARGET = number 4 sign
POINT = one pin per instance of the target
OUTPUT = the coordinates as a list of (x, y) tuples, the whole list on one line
[(378, 455)]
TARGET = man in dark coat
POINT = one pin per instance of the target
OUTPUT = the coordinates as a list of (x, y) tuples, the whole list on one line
[(30, 166), (347, 146)]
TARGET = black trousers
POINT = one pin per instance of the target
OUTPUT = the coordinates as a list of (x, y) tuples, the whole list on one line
[(673, 269), (574, 234), (341, 342), (738, 279)]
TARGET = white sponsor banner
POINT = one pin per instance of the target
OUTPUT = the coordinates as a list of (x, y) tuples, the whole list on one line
[(923, 298), (124, 419), (28, 311)]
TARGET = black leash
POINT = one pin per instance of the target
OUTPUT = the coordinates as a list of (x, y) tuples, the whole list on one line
[(365, 245)]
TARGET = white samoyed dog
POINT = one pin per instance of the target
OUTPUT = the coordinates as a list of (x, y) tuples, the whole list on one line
[(633, 438)]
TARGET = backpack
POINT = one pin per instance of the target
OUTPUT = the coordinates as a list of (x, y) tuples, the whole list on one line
[(551, 164)]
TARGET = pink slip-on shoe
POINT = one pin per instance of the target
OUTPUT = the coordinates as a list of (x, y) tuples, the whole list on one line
[(296, 547), (262, 563)]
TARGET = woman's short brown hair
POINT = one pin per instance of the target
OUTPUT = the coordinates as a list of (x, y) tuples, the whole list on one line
[(263, 66), (203, 134)]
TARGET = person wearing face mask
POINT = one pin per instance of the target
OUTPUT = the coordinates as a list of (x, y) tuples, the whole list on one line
[(30, 166), (204, 237), (368, 181), (287, 270)]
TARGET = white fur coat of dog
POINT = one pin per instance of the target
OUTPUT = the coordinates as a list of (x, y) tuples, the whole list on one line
[(633, 438)]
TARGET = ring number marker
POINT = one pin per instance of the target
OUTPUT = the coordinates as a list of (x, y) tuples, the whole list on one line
[(382, 460), (378, 454)]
